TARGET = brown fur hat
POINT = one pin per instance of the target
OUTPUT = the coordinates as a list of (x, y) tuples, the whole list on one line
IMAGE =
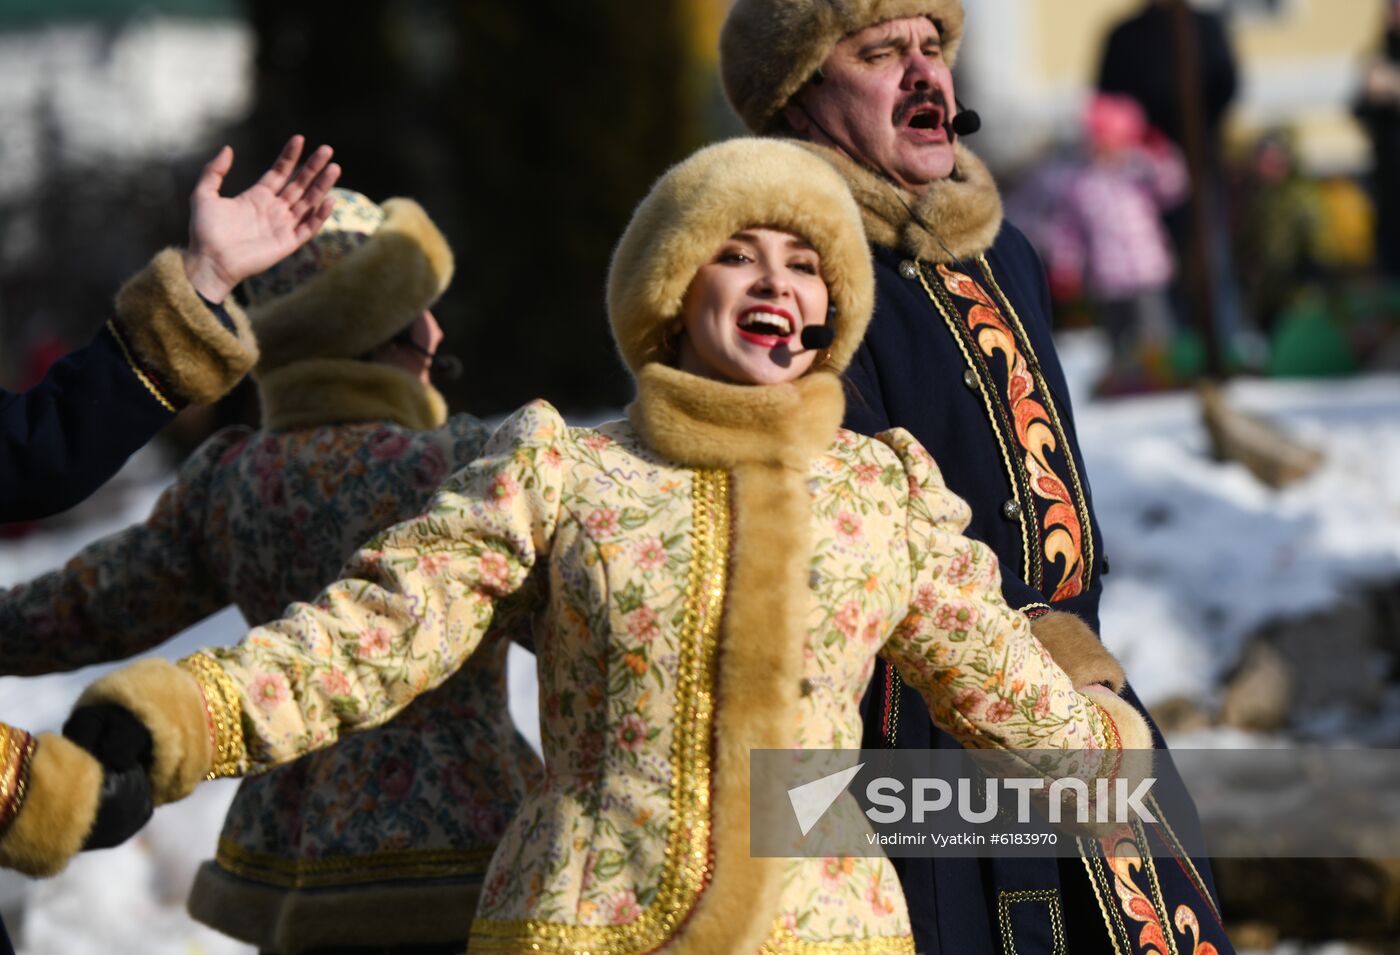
[(769, 49), (721, 190), (361, 280)]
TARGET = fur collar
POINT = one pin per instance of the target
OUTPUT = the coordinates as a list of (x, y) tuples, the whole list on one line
[(766, 439), (326, 391), (965, 208), (703, 423)]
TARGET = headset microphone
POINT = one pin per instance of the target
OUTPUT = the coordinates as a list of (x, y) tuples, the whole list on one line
[(446, 367), (966, 122), (817, 337)]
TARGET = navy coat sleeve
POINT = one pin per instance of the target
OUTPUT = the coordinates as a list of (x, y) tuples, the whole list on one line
[(63, 438)]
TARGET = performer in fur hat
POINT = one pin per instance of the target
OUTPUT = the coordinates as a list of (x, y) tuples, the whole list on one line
[(176, 338), (354, 438), (711, 576), (960, 353)]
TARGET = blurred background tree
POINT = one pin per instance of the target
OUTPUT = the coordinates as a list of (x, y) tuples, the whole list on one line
[(528, 132)]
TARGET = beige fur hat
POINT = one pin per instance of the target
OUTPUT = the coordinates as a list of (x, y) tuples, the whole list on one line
[(362, 278), (723, 189), (770, 48)]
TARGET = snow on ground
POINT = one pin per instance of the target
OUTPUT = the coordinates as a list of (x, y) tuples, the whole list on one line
[(1200, 554)]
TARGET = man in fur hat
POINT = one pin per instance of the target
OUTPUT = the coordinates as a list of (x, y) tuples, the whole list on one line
[(960, 353)]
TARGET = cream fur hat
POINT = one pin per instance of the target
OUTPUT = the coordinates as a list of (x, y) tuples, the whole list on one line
[(769, 49), (721, 190), (362, 278)]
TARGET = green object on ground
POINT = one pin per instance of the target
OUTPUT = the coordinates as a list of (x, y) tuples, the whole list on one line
[(1309, 343)]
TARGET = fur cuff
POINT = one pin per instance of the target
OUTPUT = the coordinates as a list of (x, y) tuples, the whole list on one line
[(177, 338), (168, 700), (1078, 650), (1130, 725), (60, 806)]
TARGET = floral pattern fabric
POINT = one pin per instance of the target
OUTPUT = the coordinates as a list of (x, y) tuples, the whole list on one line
[(597, 531), (259, 519)]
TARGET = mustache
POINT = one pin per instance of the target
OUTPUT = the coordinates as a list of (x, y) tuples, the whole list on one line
[(917, 99)]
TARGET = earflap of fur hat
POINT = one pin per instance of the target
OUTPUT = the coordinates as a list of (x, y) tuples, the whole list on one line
[(769, 49), (721, 190), (357, 290)]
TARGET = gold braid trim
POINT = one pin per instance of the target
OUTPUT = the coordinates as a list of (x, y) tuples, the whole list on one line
[(16, 754), (224, 709), (1051, 898), (1096, 869), (687, 865), (351, 870), (140, 372), (1183, 857)]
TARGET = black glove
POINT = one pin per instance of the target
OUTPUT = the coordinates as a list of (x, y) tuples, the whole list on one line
[(114, 735), (123, 808)]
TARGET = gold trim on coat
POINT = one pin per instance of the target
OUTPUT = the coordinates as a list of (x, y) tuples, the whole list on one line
[(1057, 921), (288, 873), (687, 866), (224, 711)]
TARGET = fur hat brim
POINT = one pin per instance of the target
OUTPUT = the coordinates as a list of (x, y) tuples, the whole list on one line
[(364, 299), (769, 49), (721, 190)]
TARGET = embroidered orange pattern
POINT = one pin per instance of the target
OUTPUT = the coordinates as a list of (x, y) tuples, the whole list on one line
[(1063, 533), (1125, 860)]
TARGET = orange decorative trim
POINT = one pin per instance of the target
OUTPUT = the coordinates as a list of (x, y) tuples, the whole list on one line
[(1081, 499)]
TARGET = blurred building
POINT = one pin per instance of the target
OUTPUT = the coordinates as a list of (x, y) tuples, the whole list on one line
[(1028, 64)]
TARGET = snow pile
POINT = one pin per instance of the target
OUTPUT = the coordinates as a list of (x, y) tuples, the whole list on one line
[(1201, 554)]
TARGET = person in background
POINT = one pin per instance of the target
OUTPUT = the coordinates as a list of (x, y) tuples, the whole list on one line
[(960, 353), (173, 340), (1111, 236), (1140, 59), (1378, 108), (176, 337), (354, 438)]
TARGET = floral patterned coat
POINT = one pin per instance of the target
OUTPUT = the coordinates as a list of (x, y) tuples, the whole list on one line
[(408, 814), (686, 614)]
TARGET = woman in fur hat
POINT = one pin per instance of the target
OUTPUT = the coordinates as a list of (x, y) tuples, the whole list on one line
[(354, 438), (713, 575)]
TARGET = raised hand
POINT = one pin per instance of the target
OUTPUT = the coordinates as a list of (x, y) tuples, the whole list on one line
[(237, 237)]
